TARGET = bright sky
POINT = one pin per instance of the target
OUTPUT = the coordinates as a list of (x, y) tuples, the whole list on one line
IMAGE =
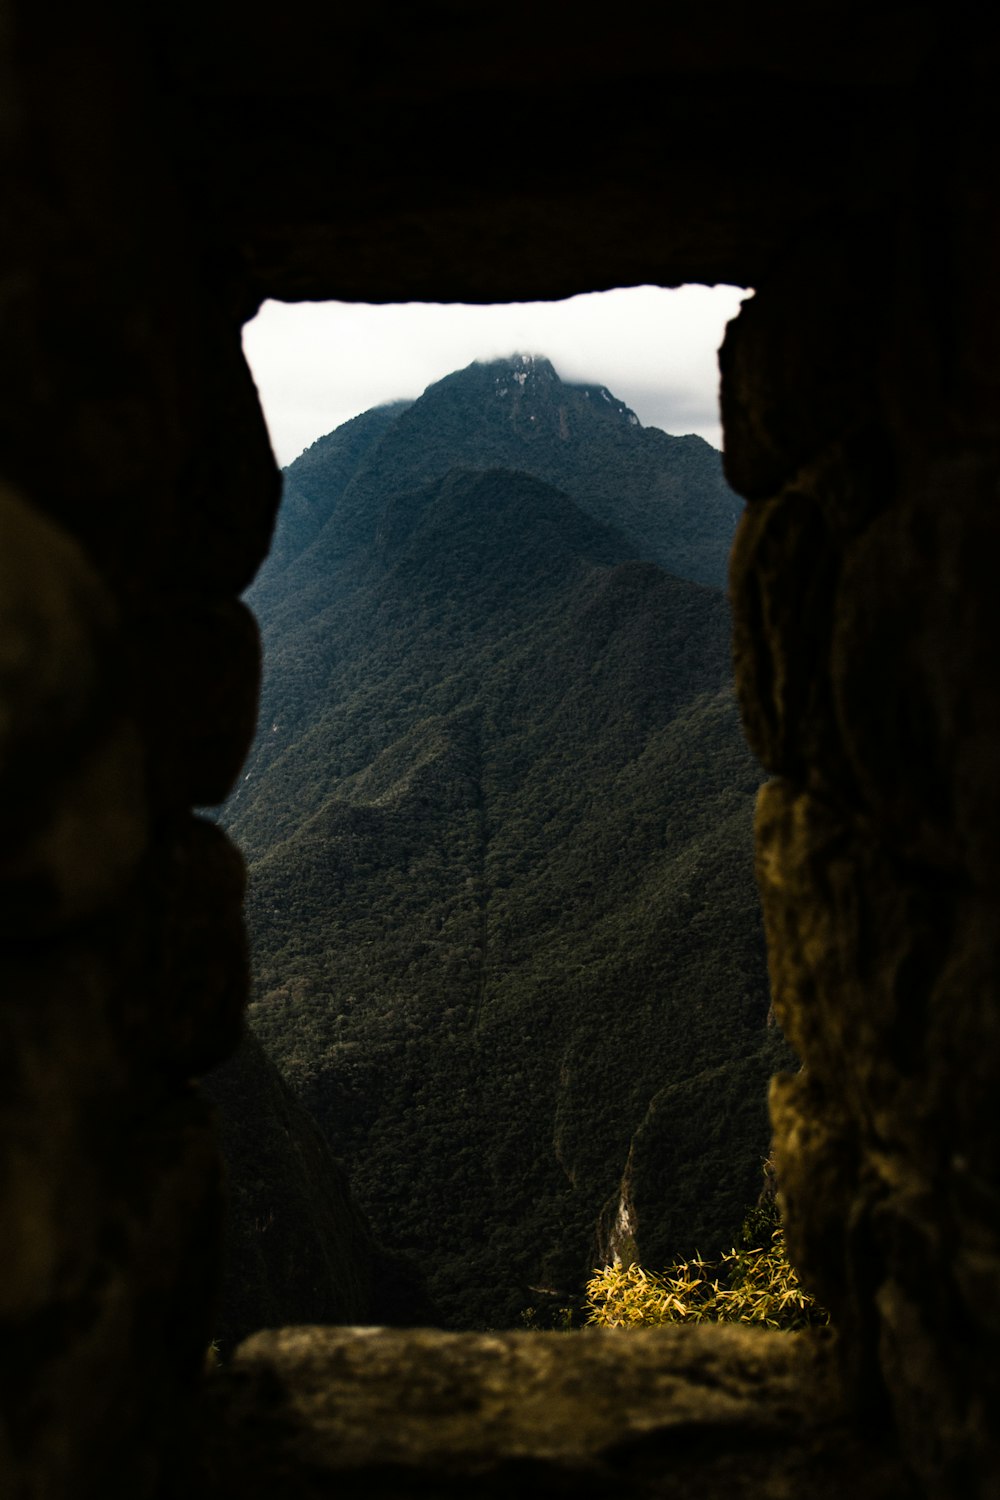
[(317, 364)]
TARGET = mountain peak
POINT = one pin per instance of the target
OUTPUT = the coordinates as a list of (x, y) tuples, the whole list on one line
[(525, 366), (519, 374), (523, 372), (517, 413)]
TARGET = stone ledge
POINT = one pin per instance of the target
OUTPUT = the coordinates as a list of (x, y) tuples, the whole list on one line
[(677, 1412)]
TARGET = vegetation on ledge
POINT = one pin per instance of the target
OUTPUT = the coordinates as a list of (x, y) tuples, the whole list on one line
[(754, 1284)]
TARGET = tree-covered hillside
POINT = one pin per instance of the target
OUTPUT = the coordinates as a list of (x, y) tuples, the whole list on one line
[(297, 1248), (498, 823)]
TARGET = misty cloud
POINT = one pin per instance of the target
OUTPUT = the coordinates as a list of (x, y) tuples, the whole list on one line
[(318, 364)]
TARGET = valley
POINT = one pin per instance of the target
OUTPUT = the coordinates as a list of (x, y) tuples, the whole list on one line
[(497, 819)]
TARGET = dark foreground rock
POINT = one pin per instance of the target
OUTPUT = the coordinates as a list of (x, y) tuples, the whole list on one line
[(691, 1413)]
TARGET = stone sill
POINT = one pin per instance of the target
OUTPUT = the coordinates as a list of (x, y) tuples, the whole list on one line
[(689, 1412)]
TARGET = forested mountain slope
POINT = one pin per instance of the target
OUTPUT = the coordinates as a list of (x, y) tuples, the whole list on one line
[(498, 822), (297, 1248)]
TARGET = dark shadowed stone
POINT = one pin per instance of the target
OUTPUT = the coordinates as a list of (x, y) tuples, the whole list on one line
[(50, 1081), (191, 940), (72, 806), (918, 621), (684, 1413), (780, 632), (79, 859), (855, 946), (197, 672), (815, 1154), (230, 481), (56, 623), (781, 405), (109, 1187)]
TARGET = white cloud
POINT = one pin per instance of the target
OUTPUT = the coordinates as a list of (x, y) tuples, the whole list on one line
[(316, 364)]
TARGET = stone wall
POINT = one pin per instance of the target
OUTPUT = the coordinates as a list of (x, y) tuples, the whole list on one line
[(861, 421), (162, 171), (138, 491)]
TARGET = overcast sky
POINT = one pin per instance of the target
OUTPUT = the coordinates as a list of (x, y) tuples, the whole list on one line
[(317, 364)]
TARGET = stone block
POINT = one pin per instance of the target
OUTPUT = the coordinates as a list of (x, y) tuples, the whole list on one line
[(184, 932), (799, 364), (73, 821), (675, 1414), (783, 584), (197, 673)]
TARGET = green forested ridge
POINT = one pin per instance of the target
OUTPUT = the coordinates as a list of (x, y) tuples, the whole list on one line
[(498, 823), (667, 492)]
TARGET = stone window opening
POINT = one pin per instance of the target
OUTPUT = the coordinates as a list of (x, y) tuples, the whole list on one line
[(432, 1376), (253, 1201)]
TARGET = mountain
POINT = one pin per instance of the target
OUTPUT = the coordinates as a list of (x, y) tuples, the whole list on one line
[(667, 492), (498, 821), (298, 1249)]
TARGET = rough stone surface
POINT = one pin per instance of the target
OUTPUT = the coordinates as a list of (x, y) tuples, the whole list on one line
[(72, 811), (138, 494), (866, 637), (197, 673), (187, 935), (110, 1189), (674, 1413)]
